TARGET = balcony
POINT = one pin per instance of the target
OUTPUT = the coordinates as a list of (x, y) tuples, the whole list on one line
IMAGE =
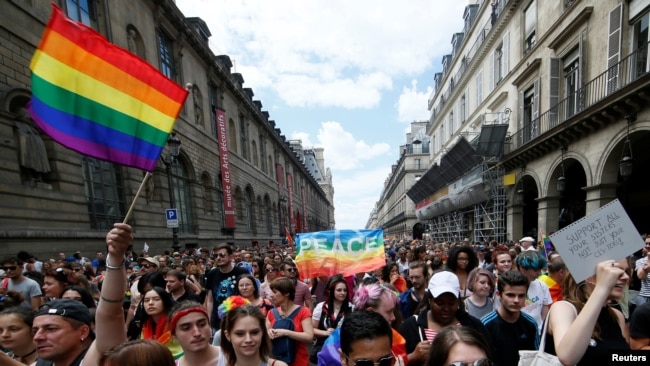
[(620, 90)]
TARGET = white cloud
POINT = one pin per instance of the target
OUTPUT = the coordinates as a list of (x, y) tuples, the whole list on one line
[(343, 151), (329, 53), (412, 104), (355, 196)]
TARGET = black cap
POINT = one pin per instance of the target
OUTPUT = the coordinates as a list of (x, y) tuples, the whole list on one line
[(67, 308)]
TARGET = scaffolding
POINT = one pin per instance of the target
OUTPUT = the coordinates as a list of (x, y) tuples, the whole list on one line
[(481, 222), (489, 216)]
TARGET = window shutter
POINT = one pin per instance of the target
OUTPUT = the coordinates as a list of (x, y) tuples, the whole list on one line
[(522, 129), (506, 54), (614, 47), (479, 88), (492, 78), (554, 90), (466, 104), (536, 101)]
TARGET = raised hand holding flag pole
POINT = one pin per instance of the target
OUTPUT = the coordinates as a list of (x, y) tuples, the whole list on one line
[(100, 100)]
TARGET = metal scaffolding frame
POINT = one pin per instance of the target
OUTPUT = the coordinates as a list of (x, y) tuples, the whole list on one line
[(489, 216), (481, 222)]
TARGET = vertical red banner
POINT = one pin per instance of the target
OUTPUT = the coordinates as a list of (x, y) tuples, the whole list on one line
[(290, 189), (226, 179), (304, 209)]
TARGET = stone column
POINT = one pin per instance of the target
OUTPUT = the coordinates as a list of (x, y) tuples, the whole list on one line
[(548, 213), (599, 195), (515, 221)]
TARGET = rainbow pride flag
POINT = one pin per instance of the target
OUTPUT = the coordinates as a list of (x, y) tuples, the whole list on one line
[(326, 253), (98, 99), (548, 246)]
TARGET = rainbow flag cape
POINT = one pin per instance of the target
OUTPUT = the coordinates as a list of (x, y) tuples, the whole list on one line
[(98, 99), (326, 253)]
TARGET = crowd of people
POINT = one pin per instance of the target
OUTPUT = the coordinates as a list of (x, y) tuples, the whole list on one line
[(432, 303)]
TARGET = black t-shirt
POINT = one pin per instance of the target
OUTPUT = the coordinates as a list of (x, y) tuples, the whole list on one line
[(510, 338), (640, 321), (222, 286)]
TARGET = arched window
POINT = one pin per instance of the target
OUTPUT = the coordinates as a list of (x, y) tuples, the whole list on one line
[(207, 193), (104, 192), (182, 196), (256, 160)]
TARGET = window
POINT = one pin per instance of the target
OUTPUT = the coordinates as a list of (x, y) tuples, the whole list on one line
[(640, 39), (500, 58), (166, 55), (462, 108), (530, 25), (614, 48), (104, 192), (263, 153), (243, 137), (249, 214), (268, 215), (82, 11), (572, 82), (255, 155), (219, 200), (529, 107), (182, 196), (213, 109), (232, 135), (418, 164)]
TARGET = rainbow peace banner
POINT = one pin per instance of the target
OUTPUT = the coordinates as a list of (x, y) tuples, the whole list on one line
[(98, 99), (326, 253)]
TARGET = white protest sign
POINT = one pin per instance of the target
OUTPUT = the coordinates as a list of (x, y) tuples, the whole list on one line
[(146, 247), (607, 233)]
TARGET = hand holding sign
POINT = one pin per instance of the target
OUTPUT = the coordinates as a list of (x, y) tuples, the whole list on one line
[(608, 233)]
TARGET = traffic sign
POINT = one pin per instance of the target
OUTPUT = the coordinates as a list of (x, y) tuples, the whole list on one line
[(172, 218)]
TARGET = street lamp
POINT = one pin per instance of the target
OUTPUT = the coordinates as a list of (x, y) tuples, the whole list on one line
[(174, 144)]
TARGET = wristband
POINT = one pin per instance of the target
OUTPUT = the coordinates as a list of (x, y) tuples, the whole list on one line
[(109, 266)]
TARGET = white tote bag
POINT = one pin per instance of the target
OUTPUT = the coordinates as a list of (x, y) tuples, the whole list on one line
[(539, 357)]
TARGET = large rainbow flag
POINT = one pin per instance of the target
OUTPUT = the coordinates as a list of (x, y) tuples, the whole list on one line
[(98, 99), (326, 253)]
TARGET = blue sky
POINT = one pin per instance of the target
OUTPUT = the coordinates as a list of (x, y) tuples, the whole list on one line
[(348, 76)]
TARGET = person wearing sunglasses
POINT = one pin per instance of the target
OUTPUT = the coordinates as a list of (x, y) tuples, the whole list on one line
[(459, 346), (220, 283), (303, 294), (366, 339), (16, 281), (147, 265), (271, 273)]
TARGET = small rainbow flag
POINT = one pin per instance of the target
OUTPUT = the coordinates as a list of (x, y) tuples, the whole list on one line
[(289, 237), (326, 253), (548, 246), (98, 99)]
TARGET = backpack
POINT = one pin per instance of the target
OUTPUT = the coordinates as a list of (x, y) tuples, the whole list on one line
[(284, 348)]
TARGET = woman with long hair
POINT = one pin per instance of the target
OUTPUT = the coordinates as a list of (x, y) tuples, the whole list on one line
[(284, 292), (16, 334), (258, 269), (245, 339), (329, 315), (56, 280), (584, 329), (157, 305), (190, 325), (459, 346), (246, 287), (390, 275), (443, 309), (462, 260)]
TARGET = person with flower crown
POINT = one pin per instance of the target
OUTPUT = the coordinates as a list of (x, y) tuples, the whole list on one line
[(245, 340)]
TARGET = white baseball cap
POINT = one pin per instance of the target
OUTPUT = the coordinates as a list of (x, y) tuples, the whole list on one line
[(443, 282), (527, 238)]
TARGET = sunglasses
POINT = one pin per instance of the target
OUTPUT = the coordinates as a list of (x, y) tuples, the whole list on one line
[(270, 269), (480, 362), (9, 268), (290, 269), (147, 266), (221, 255), (384, 361)]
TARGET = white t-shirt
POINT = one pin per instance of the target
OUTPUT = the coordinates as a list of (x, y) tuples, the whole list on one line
[(537, 296)]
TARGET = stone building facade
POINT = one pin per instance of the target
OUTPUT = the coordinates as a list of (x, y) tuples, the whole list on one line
[(552, 96), (55, 200)]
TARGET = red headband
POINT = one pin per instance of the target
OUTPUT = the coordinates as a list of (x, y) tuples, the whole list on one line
[(182, 313)]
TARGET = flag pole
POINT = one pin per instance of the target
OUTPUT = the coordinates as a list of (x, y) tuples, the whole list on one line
[(135, 199)]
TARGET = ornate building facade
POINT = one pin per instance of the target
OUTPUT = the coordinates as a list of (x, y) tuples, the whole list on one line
[(55, 200), (547, 100)]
